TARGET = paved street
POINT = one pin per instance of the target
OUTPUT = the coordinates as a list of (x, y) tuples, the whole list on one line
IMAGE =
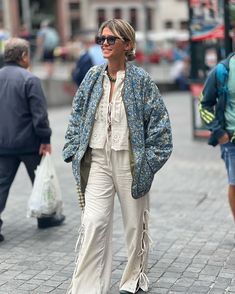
[(191, 224)]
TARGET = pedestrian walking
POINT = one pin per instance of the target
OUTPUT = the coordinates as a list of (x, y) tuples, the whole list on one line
[(217, 110), (24, 126), (47, 41), (4, 35), (90, 56), (118, 137)]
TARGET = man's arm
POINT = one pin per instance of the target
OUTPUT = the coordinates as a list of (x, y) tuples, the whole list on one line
[(158, 136), (207, 104)]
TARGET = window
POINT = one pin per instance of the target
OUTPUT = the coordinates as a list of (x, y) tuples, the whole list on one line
[(74, 6), (100, 16), (133, 18), (75, 26), (168, 24), (149, 18), (117, 13), (184, 25)]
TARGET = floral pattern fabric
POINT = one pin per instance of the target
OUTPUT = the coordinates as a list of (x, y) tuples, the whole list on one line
[(148, 122)]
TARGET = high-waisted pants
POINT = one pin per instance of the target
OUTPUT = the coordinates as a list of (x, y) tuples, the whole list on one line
[(110, 174)]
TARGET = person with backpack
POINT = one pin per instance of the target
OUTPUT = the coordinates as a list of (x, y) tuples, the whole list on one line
[(4, 35), (47, 41), (217, 110)]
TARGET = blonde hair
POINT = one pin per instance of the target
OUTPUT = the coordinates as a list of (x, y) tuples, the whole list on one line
[(124, 31)]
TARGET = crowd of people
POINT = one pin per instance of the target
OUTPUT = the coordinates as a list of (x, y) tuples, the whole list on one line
[(81, 52)]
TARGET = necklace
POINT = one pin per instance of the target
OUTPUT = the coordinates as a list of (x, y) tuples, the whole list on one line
[(111, 78)]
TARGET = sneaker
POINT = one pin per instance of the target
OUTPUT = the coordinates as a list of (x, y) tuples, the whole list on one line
[(51, 221), (1, 237)]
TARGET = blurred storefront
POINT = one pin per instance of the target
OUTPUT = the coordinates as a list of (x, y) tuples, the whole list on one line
[(71, 16), (64, 14), (211, 35)]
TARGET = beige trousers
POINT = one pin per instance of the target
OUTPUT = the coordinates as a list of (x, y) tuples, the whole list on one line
[(110, 174)]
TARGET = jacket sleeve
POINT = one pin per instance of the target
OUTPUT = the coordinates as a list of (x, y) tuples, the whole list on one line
[(207, 105), (158, 136), (72, 135), (38, 109)]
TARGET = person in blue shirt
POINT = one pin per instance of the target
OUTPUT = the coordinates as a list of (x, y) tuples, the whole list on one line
[(47, 41)]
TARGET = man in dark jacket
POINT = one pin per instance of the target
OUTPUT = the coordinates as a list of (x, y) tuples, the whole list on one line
[(24, 127)]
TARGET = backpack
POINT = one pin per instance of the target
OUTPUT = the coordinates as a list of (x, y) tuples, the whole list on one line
[(221, 77), (51, 39)]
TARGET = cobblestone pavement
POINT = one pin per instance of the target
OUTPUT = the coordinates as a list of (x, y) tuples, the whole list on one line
[(191, 224)]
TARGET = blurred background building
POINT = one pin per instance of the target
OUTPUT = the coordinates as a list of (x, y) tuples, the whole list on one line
[(72, 16)]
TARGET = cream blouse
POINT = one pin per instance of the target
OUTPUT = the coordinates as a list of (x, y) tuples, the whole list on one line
[(110, 119)]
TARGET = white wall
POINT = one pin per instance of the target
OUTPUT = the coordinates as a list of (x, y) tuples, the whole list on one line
[(172, 10), (163, 10)]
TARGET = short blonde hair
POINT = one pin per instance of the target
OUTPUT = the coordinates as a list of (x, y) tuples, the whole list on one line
[(123, 30)]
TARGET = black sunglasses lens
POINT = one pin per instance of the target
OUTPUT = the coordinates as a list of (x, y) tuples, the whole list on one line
[(100, 40), (111, 40)]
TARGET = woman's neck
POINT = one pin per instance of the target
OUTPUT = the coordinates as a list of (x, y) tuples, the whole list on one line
[(113, 68)]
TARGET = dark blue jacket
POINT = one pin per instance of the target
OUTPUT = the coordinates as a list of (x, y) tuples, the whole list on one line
[(213, 100), (83, 64), (24, 122)]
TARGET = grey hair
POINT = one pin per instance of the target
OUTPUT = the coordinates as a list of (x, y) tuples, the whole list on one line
[(123, 30), (14, 49)]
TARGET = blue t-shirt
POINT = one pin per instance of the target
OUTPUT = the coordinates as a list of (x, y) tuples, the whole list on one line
[(230, 103)]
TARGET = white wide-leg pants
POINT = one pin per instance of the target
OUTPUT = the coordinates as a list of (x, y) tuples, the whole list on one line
[(110, 174)]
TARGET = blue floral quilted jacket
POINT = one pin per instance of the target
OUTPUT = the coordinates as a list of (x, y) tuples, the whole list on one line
[(148, 121)]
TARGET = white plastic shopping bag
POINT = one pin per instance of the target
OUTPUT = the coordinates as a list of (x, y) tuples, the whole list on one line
[(45, 198)]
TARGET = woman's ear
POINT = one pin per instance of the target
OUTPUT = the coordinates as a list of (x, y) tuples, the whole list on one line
[(128, 46)]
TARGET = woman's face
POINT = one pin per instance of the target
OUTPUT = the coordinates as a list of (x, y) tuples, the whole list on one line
[(114, 51)]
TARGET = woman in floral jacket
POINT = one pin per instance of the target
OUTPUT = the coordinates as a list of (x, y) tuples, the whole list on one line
[(118, 137)]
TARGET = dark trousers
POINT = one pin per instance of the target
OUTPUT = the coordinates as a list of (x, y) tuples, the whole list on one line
[(8, 169)]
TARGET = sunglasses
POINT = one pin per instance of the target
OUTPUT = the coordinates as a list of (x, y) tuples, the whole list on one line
[(110, 40)]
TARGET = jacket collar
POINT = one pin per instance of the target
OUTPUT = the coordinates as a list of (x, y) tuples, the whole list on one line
[(12, 63), (225, 62)]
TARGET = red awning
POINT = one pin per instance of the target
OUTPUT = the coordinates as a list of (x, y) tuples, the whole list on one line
[(216, 33), (194, 2)]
